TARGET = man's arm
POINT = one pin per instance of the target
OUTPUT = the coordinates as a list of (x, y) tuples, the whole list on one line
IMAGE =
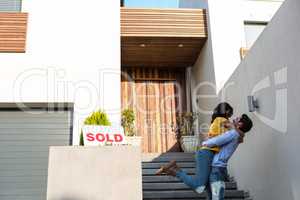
[(221, 139)]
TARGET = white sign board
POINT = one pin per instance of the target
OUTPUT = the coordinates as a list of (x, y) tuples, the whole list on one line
[(103, 135)]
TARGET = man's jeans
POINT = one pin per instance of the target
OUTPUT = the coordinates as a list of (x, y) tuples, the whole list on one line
[(204, 159), (217, 179)]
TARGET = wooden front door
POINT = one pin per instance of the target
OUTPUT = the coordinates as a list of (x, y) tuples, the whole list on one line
[(156, 96)]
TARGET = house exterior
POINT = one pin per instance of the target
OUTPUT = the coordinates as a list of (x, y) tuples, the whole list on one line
[(60, 64), (66, 53), (184, 49)]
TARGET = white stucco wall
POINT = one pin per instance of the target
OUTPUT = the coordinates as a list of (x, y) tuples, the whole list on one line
[(203, 84), (260, 10), (72, 55), (221, 54), (268, 162), (227, 31)]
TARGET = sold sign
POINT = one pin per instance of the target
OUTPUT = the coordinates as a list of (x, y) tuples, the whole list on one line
[(103, 135)]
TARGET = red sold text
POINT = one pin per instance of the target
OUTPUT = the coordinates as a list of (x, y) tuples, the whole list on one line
[(104, 137)]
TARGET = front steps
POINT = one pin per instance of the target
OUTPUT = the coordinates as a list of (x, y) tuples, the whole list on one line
[(170, 188)]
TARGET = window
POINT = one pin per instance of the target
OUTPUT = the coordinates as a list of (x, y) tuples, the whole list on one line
[(151, 3), (10, 5), (192, 4), (164, 3), (253, 31), (268, 0)]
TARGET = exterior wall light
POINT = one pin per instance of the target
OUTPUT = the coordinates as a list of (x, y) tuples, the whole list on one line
[(142, 45), (252, 104)]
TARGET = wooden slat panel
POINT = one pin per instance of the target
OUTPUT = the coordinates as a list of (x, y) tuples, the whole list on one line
[(13, 28), (154, 104), (162, 37), (163, 22)]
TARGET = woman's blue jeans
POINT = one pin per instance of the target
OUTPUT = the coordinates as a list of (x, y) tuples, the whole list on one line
[(199, 182)]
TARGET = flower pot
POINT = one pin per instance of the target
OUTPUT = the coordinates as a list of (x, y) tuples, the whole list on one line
[(189, 144), (133, 140)]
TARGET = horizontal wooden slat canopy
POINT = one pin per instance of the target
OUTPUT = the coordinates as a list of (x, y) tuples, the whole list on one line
[(13, 28), (162, 37), (160, 52), (163, 22)]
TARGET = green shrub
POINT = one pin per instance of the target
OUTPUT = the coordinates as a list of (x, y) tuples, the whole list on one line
[(96, 118), (185, 123), (81, 140), (128, 118)]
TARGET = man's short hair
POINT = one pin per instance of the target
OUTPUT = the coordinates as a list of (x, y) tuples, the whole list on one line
[(247, 123)]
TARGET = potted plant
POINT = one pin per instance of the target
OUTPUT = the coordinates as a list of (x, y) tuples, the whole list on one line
[(96, 118), (184, 130), (128, 123)]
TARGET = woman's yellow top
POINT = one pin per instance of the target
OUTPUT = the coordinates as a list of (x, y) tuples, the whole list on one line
[(217, 128)]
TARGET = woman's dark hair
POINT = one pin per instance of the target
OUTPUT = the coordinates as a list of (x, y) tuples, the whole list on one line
[(223, 109), (247, 123)]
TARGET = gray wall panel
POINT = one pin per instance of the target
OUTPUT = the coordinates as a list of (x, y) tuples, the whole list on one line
[(24, 145)]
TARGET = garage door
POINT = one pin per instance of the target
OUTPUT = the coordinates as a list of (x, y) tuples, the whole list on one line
[(24, 142)]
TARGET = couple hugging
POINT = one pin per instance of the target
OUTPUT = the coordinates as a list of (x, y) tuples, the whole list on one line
[(222, 140)]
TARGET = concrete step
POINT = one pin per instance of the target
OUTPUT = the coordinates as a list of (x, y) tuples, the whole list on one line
[(167, 157), (157, 179), (157, 165), (170, 188), (178, 186), (147, 172), (200, 198), (186, 194)]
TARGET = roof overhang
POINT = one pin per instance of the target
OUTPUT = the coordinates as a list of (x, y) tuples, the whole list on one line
[(162, 37)]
